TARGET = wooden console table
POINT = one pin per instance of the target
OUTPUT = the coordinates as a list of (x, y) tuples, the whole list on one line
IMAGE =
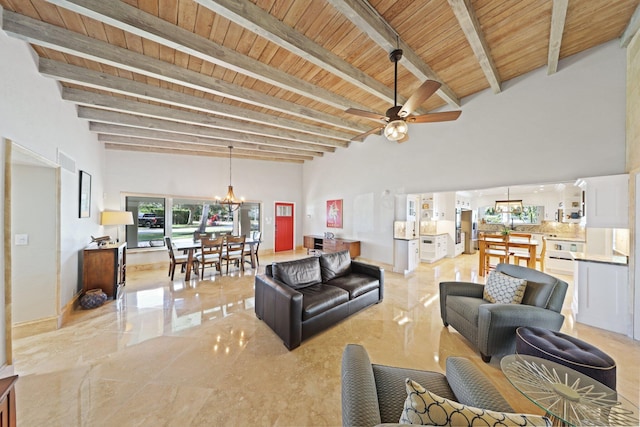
[(319, 243), (104, 267)]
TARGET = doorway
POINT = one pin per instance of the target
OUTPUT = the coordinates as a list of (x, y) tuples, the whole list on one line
[(284, 227)]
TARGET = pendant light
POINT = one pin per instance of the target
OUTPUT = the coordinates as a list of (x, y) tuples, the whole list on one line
[(508, 206), (230, 199)]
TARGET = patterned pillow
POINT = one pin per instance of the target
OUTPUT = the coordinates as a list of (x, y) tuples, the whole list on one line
[(425, 408), (503, 289)]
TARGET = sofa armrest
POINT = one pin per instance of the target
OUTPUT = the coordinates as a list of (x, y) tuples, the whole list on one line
[(472, 387), (280, 307), (359, 393), (466, 289), (370, 270), (497, 324)]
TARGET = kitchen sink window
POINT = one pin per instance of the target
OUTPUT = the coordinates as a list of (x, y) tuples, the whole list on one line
[(528, 215)]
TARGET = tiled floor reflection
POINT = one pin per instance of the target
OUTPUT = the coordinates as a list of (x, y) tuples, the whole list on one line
[(194, 354)]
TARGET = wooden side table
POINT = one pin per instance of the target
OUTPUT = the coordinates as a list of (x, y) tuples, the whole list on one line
[(104, 267), (8, 401)]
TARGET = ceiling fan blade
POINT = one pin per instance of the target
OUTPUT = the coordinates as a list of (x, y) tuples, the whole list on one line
[(445, 116), (361, 137), (367, 114), (427, 89)]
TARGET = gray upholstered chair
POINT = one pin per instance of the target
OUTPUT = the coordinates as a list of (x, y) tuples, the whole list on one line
[(492, 327), (374, 394)]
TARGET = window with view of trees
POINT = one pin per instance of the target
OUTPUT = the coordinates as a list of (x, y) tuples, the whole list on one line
[(528, 215), (187, 216)]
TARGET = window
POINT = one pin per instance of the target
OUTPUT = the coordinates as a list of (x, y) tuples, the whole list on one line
[(187, 216), (529, 215)]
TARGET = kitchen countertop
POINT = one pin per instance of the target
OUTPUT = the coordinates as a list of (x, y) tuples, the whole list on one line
[(566, 239), (603, 259)]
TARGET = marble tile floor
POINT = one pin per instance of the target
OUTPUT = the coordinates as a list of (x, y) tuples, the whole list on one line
[(194, 354)]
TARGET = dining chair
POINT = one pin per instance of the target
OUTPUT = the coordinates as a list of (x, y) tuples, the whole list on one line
[(252, 249), (235, 251), (176, 259), (497, 246), (539, 255), (210, 253)]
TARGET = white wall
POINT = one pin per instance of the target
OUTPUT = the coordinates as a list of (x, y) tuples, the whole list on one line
[(33, 115), (539, 129), (202, 177)]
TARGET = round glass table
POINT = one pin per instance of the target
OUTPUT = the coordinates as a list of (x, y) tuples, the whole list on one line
[(568, 396)]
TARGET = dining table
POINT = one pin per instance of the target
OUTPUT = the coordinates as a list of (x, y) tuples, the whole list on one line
[(190, 246), (529, 245)]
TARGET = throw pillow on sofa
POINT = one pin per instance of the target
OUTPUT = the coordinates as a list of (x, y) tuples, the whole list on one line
[(425, 408), (299, 273), (503, 289), (334, 265)]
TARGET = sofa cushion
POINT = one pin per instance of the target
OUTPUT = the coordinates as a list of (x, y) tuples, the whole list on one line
[(355, 284), (334, 265), (318, 298), (467, 307), (503, 289), (538, 294), (425, 408), (298, 274)]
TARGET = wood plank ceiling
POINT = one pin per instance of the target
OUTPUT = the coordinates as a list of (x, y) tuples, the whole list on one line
[(272, 78)]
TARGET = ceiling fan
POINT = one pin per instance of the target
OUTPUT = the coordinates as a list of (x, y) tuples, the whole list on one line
[(396, 118)]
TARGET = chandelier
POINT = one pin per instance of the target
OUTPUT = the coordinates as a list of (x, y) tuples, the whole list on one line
[(509, 205), (230, 199)]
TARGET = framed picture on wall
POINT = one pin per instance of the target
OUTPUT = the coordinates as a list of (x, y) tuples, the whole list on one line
[(334, 213), (85, 195)]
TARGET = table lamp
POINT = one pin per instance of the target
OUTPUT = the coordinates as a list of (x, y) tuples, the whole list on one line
[(116, 218)]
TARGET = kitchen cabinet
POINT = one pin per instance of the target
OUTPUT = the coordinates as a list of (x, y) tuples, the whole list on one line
[(607, 201), (602, 294), (407, 207), (104, 267), (433, 247), (427, 207), (406, 256), (572, 205), (559, 258)]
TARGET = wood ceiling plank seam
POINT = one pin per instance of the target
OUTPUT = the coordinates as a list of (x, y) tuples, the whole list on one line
[(314, 10), (222, 139), (187, 12), (472, 29), (24, 7), (120, 147), (168, 11), (136, 21), (264, 24), (204, 22), (149, 6), (185, 119), (383, 34), (49, 13), (35, 31), (125, 140)]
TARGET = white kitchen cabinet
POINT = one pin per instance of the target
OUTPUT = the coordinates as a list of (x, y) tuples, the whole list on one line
[(427, 207), (407, 256), (572, 206), (607, 201), (603, 294), (558, 257), (406, 207), (433, 247)]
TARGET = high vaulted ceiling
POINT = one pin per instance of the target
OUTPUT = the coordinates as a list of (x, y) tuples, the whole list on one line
[(273, 78)]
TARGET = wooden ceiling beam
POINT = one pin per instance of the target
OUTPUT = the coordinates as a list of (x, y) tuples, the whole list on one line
[(558, 18), (261, 22), (247, 120), (466, 15), (221, 141), (144, 142), (632, 28), (172, 151), (133, 20), (371, 23), (50, 36)]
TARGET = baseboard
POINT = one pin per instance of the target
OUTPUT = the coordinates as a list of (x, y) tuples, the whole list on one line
[(35, 327), (145, 267)]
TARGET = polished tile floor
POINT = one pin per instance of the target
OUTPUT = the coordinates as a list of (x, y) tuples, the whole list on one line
[(194, 354)]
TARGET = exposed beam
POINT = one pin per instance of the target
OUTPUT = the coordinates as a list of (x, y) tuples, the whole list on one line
[(368, 21), (558, 18), (105, 116), (632, 28), (145, 142), (221, 140), (261, 22), (262, 122), (464, 11), (137, 22), (53, 37), (125, 147)]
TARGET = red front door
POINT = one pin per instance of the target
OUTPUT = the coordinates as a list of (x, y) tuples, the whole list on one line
[(284, 227)]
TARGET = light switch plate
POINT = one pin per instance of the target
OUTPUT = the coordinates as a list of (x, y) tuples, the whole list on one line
[(22, 239)]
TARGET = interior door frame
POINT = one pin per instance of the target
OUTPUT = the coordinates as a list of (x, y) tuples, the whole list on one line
[(275, 211)]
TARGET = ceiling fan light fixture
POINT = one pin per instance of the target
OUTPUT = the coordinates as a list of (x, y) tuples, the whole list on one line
[(396, 130)]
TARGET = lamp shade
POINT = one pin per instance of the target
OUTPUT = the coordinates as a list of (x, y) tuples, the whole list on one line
[(508, 206), (116, 218), (396, 130)]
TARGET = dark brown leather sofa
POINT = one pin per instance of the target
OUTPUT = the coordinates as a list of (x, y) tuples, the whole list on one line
[(300, 298)]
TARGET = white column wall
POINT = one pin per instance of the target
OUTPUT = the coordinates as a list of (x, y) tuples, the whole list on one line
[(539, 129)]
